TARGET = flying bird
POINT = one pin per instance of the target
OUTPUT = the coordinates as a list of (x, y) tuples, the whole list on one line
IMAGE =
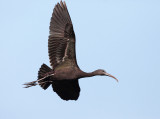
[(65, 72)]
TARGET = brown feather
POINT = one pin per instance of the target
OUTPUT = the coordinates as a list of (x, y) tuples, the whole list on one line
[(65, 72), (41, 73), (66, 89), (60, 43)]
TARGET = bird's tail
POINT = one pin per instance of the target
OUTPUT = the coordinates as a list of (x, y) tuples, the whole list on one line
[(44, 81)]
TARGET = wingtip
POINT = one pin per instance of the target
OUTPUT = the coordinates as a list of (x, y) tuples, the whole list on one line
[(61, 2)]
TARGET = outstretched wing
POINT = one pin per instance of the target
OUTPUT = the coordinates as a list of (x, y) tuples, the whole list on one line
[(66, 89), (61, 41)]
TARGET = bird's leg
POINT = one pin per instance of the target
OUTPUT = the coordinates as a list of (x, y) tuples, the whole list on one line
[(30, 84), (34, 83)]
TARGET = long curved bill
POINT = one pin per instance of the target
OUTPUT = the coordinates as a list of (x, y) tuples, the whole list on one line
[(107, 74)]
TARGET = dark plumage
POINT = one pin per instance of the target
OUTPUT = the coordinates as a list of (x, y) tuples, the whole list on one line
[(64, 74)]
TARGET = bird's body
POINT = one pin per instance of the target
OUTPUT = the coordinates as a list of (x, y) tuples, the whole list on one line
[(65, 72)]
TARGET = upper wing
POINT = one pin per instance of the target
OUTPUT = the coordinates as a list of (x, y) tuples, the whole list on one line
[(61, 41)]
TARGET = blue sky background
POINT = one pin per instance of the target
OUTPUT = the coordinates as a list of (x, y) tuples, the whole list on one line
[(120, 36)]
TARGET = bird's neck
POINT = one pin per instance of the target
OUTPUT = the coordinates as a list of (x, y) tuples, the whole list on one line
[(85, 74)]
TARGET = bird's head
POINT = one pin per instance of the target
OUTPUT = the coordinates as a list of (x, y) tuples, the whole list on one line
[(104, 73)]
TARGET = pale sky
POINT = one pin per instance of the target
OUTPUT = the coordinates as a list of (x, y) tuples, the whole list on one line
[(120, 36)]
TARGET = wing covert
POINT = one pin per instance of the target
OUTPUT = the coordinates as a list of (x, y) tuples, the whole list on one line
[(61, 43)]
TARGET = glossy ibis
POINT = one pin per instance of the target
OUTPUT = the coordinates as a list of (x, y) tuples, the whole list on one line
[(65, 73)]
